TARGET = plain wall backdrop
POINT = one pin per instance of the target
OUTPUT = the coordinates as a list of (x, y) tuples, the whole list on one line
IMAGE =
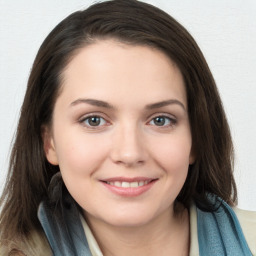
[(224, 29)]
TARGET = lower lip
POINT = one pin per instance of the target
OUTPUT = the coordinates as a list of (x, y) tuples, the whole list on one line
[(129, 192)]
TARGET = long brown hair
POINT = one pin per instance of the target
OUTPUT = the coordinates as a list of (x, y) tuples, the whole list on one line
[(131, 22)]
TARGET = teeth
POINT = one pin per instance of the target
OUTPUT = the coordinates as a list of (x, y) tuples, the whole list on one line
[(134, 184), (117, 184), (125, 184), (141, 183)]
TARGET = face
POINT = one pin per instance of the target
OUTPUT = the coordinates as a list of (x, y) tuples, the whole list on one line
[(120, 133)]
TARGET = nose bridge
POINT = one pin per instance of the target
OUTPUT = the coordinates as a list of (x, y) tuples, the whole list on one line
[(128, 147)]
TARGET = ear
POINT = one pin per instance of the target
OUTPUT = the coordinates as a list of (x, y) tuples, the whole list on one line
[(49, 147), (192, 156)]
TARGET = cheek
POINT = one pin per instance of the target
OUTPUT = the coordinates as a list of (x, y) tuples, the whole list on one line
[(174, 151), (80, 155), (173, 156), (79, 158)]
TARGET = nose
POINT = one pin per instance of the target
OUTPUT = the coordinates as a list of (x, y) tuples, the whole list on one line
[(128, 148)]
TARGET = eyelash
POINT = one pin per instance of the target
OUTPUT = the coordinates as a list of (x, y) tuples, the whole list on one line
[(87, 118), (171, 121)]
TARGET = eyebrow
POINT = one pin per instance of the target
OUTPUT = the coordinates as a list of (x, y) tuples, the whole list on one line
[(165, 103), (100, 103), (93, 102)]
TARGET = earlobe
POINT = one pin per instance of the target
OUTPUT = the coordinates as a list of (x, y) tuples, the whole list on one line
[(193, 154), (49, 147), (191, 159)]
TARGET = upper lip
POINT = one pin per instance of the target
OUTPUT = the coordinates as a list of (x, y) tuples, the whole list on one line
[(128, 179)]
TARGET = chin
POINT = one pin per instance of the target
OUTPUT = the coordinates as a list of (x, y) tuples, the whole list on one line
[(129, 218)]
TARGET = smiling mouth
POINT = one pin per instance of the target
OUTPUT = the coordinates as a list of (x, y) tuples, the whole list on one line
[(125, 184), (132, 183), (129, 187)]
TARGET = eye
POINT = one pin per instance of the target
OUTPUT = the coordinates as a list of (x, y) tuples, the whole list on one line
[(93, 121), (162, 121)]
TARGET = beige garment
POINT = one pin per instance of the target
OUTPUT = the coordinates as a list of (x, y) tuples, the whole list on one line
[(37, 244), (93, 245), (247, 220)]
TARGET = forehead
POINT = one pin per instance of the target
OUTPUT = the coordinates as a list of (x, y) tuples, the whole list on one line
[(109, 68)]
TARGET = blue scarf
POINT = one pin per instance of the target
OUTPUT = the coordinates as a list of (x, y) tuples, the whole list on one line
[(63, 228), (219, 232)]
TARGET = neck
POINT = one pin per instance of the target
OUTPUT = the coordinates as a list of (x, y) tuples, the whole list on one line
[(167, 234)]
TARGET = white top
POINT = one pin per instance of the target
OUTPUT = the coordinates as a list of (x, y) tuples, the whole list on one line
[(247, 220)]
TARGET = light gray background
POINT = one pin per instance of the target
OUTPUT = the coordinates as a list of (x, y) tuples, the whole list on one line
[(224, 29)]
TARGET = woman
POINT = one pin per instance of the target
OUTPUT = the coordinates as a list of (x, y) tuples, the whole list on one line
[(122, 137)]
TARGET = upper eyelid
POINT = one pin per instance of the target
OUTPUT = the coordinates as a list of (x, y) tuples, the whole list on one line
[(96, 114), (163, 114), (173, 120), (107, 118), (82, 121)]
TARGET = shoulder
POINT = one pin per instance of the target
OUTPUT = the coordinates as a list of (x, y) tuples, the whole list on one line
[(247, 221), (225, 221), (35, 245)]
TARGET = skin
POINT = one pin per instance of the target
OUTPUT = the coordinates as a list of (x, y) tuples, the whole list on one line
[(127, 136)]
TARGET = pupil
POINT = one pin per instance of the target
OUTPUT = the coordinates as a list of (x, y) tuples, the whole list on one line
[(160, 121), (94, 121)]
